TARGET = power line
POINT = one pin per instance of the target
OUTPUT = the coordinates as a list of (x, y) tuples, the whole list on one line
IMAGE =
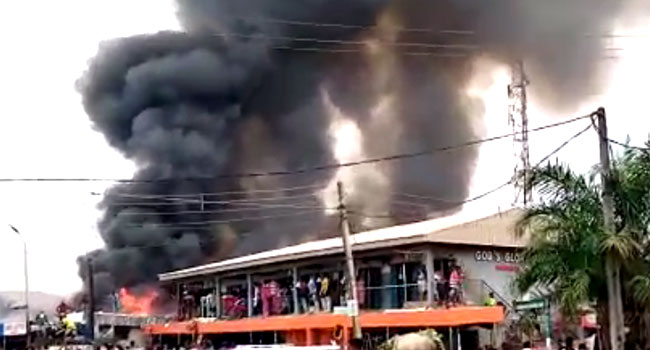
[(346, 51), (228, 221), (562, 145), (487, 193), (619, 143), (200, 225), (211, 194), (246, 201), (316, 168), (410, 54), (197, 226), (625, 145), (178, 242), (347, 42), (458, 32), (220, 211), (357, 26)]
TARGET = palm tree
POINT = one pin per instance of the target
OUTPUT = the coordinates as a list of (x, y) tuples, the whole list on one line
[(567, 243)]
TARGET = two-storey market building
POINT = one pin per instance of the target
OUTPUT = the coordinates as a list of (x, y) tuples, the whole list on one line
[(423, 275)]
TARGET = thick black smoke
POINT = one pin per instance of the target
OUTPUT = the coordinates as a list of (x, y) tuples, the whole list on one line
[(239, 91)]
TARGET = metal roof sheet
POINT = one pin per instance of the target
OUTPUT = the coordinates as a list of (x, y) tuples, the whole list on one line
[(494, 230)]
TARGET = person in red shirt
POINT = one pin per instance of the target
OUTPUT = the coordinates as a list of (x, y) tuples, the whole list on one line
[(266, 299), (455, 285), (276, 298)]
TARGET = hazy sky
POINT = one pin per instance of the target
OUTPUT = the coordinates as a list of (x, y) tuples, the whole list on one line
[(44, 131)]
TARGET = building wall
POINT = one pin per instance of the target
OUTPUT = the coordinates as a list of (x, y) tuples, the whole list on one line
[(496, 266)]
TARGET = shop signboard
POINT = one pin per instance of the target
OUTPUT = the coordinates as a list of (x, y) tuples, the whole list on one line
[(14, 328), (533, 304)]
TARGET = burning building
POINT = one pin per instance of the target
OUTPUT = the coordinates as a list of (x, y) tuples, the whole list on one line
[(256, 86)]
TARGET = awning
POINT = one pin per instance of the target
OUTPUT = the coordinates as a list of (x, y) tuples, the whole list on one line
[(453, 317)]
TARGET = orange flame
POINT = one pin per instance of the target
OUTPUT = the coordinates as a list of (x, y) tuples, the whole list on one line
[(137, 304)]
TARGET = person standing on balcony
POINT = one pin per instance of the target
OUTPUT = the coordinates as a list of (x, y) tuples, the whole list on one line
[(422, 285), (441, 287), (257, 299), (303, 294), (335, 291), (266, 299), (275, 297), (325, 293), (455, 285), (313, 293), (188, 305), (491, 300)]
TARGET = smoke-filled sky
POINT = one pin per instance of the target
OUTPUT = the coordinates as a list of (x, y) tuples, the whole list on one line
[(46, 133)]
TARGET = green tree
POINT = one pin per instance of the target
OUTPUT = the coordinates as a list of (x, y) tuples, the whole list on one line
[(567, 243)]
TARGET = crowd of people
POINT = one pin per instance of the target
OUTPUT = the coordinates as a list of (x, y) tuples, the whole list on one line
[(449, 286), (320, 292)]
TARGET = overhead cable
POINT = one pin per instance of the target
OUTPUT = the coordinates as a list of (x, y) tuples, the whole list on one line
[(209, 194), (228, 221), (484, 194), (305, 170), (243, 201)]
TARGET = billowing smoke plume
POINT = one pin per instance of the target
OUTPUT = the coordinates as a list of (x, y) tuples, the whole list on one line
[(250, 86)]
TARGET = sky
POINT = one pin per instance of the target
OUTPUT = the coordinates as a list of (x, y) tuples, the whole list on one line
[(44, 131)]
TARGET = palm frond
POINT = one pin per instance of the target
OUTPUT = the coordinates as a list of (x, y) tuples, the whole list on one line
[(640, 287), (567, 241), (555, 180), (622, 245), (573, 292)]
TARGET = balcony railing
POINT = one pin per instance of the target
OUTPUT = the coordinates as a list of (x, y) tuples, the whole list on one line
[(397, 296)]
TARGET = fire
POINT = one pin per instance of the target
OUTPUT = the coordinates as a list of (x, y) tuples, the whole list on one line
[(137, 304)]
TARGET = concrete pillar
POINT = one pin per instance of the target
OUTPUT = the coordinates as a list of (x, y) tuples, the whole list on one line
[(451, 338), (179, 296), (217, 297), (249, 294), (406, 290), (294, 290), (431, 281), (386, 292)]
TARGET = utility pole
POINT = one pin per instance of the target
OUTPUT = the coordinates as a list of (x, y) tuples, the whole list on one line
[(353, 303), (612, 266), (28, 329), (91, 300), (28, 338), (518, 120)]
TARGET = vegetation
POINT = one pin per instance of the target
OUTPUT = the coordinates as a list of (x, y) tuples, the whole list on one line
[(567, 247)]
